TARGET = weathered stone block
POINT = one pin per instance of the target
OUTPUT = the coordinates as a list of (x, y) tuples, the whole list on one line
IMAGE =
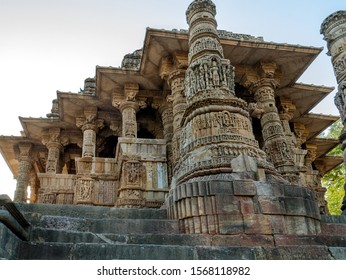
[(201, 207), (332, 229), (51, 251), (246, 205), (195, 191), (278, 224), (226, 204), (243, 240), (194, 206), (271, 205), (338, 253), (313, 226), (295, 240), (278, 190), (202, 188), (293, 191), (244, 188), (296, 225), (307, 193), (295, 206), (213, 227), (257, 224), (204, 224), (264, 188), (220, 187), (185, 191), (225, 253), (294, 253), (187, 206), (197, 225), (209, 204), (231, 224), (312, 209)]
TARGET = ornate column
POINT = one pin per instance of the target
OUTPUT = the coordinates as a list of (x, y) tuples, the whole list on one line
[(262, 83), (166, 111), (286, 113), (34, 185), (90, 124), (173, 71), (128, 108), (334, 30), (53, 141), (300, 134), (25, 158), (313, 178)]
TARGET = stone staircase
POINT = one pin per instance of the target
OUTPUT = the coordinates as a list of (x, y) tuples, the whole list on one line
[(68, 232)]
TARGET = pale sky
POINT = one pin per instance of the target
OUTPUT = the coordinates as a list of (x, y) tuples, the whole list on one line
[(48, 45)]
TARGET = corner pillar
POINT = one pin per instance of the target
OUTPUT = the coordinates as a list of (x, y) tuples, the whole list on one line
[(262, 82), (53, 141), (90, 124), (24, 153), (173, 71)]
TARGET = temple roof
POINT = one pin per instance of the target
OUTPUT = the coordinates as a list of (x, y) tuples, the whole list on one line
[(143, 68)]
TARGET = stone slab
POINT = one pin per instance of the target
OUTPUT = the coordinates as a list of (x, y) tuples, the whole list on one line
[(338, 253)]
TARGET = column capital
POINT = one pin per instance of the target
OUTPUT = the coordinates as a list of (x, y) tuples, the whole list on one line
[(23, 151), (54, 137), (131, 91), (89, 120), (311, 155), (300, 132), (286, 109), (174, 67), (264, 74)]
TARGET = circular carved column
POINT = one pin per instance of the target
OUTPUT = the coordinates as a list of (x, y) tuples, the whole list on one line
[(176, 82), (334, 30), (24, 152), (128, 110)]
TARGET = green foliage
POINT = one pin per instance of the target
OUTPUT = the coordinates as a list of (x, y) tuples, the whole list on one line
[(335, 179)]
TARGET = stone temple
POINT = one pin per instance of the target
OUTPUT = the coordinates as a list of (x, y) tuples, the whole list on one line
[(200, 146)]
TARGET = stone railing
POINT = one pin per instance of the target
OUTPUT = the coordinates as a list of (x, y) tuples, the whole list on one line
[(142, 169), (56, 188), (13, 219)]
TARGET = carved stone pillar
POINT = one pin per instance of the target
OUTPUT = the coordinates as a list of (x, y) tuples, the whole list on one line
[(128, 107), (166, 111), (52, 140), (300, 134), (334, 30), (173, 71), (25, 158), (286, 113), (313, 178), (34, 185), (321, 191), (262, 83), (90, 124)]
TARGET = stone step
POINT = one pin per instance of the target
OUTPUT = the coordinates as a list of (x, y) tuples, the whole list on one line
[(36, 210), (87, 251), (84, 251), (41, 235), (108, 225)]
